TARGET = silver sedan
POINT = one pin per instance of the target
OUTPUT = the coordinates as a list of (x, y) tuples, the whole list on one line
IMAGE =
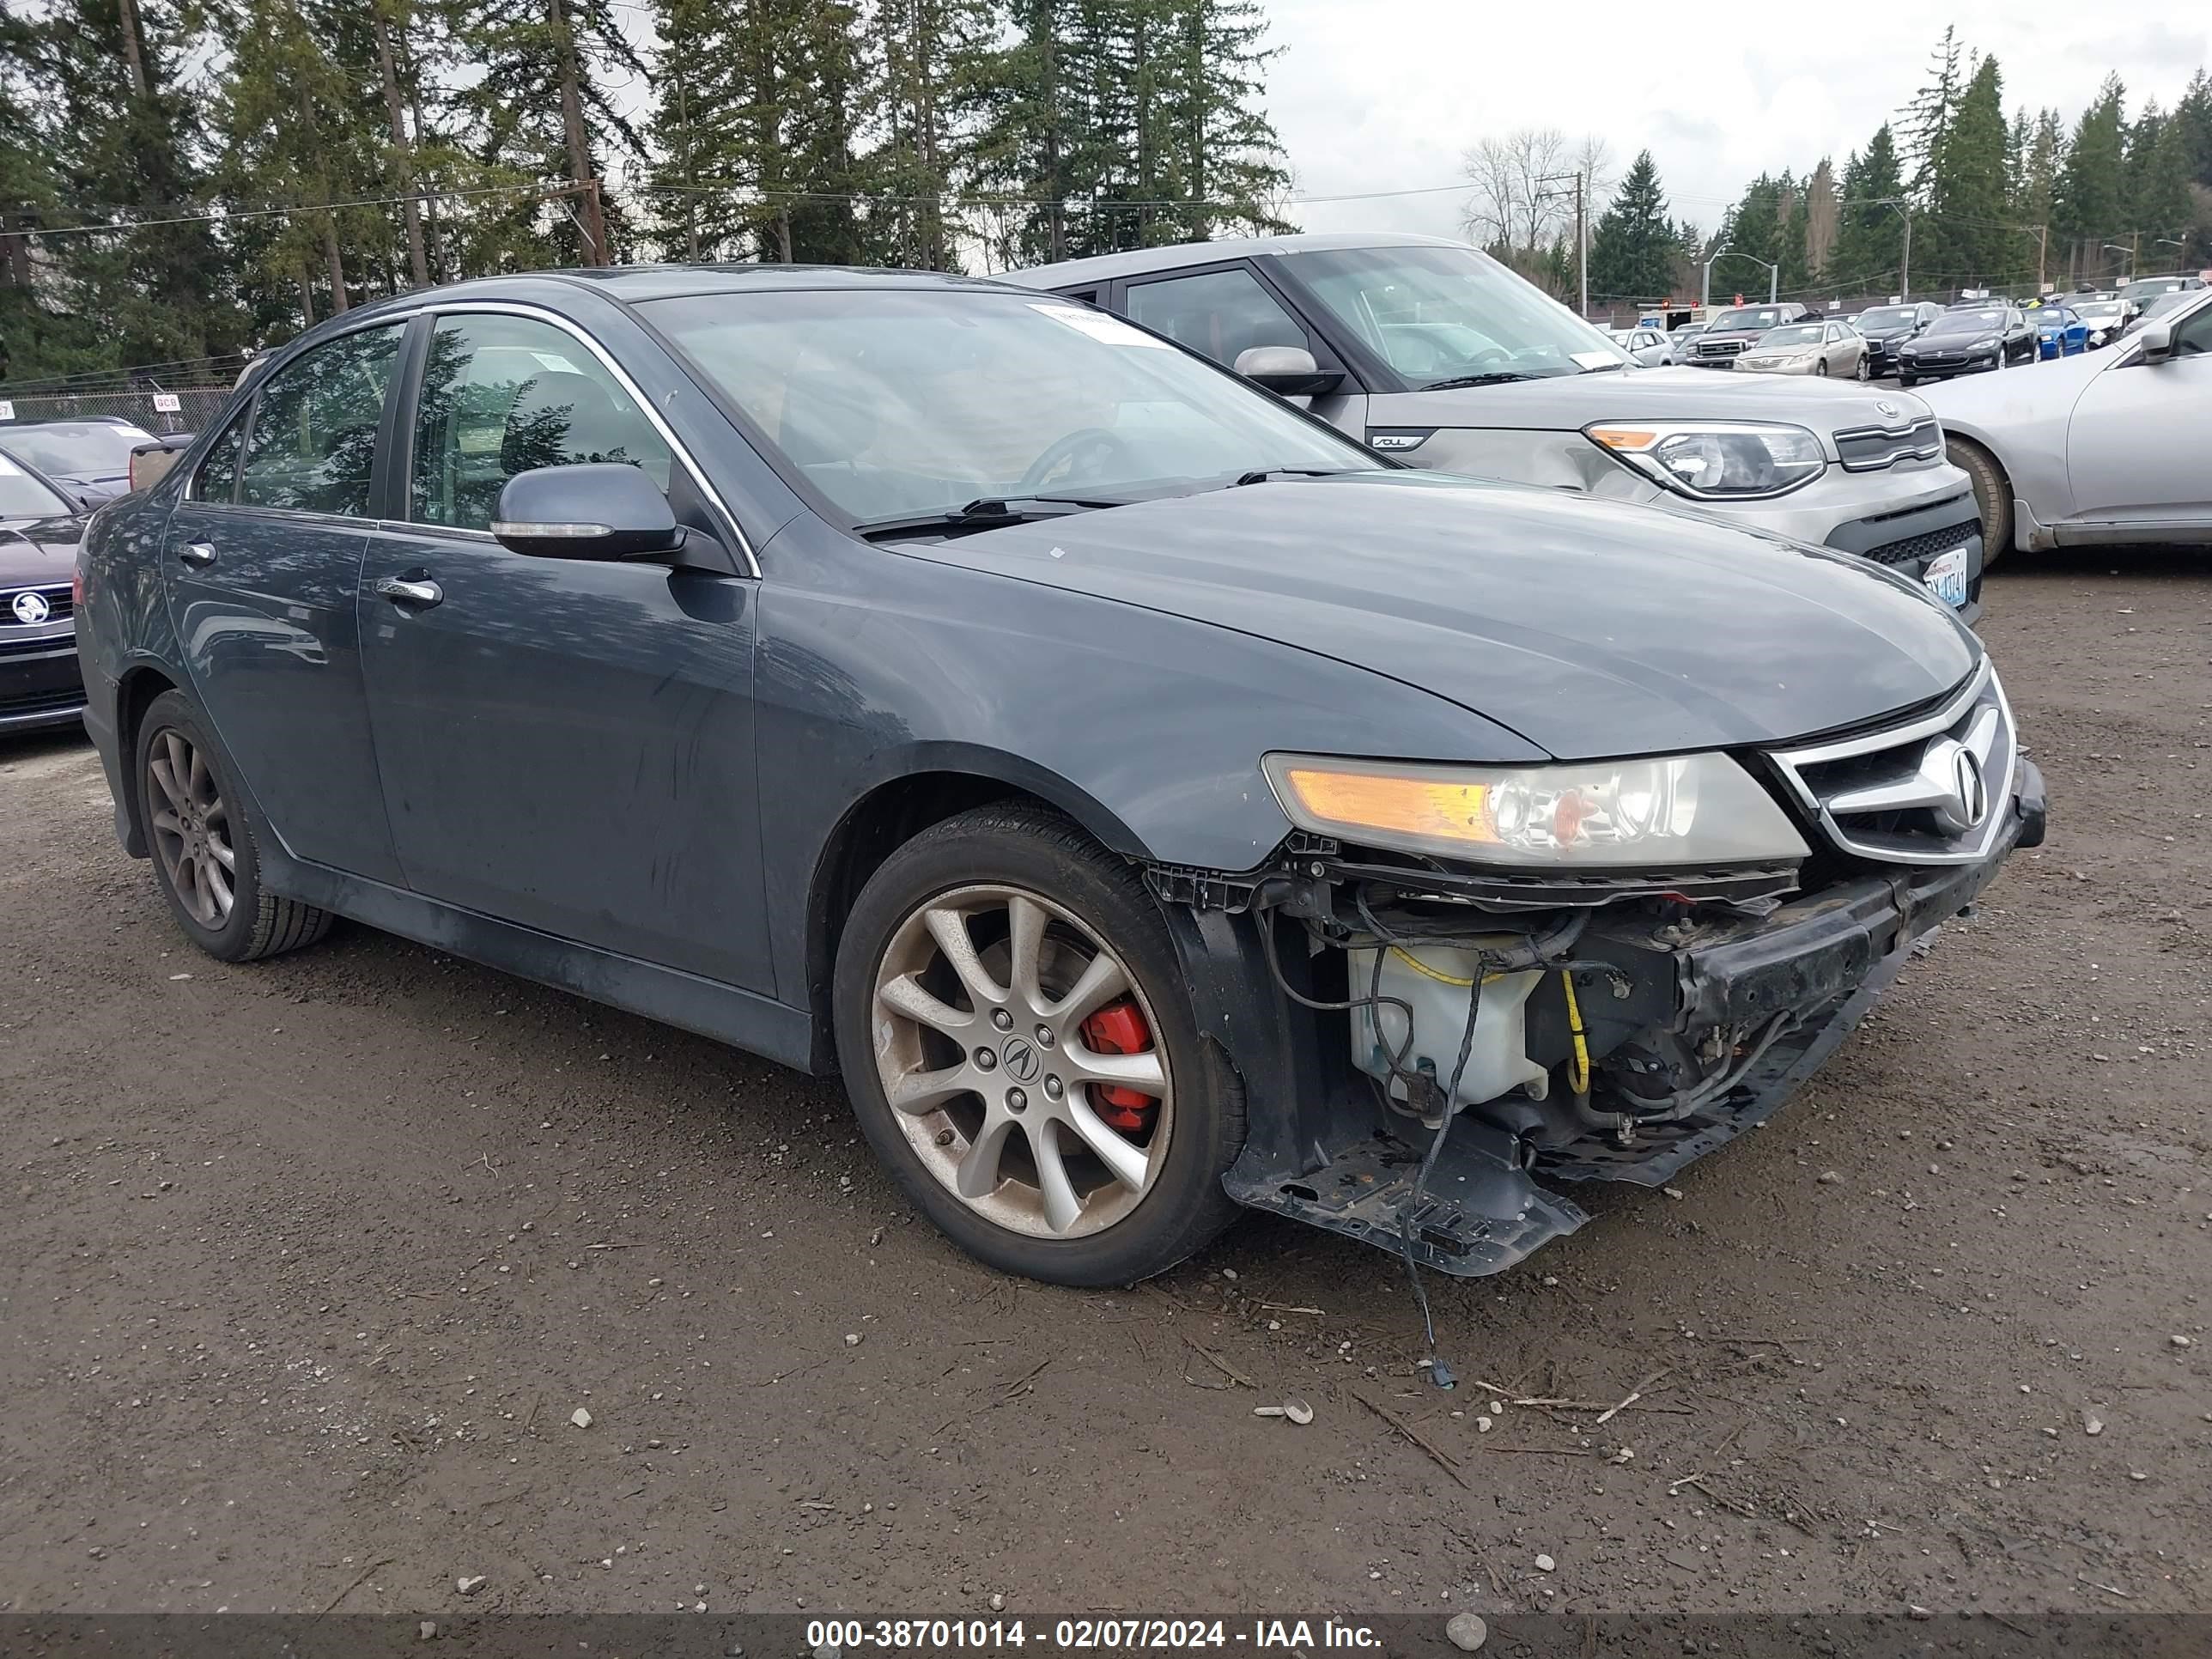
[(1649, 346), (2107, 446), (1808, 348)]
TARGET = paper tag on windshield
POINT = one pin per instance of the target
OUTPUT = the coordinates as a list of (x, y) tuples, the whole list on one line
[(1592, 359), (1099, 326)]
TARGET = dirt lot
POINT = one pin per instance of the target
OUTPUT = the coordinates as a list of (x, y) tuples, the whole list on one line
[(306, 1267)]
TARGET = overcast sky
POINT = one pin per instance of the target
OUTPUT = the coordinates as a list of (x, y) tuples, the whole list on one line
[(1387, 95)]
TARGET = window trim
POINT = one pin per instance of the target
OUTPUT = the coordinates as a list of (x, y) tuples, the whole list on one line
[(401, 452), (1224, 267), (377, 459)]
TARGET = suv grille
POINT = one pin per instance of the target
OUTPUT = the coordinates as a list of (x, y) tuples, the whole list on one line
[(1720, 348), (1936, 790), (1871, 448), (1913, 549)]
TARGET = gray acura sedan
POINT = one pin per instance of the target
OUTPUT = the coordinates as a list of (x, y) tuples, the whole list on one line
[(1150, 801)]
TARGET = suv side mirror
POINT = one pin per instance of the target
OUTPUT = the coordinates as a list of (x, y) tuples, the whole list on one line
[(1286, 371), (2157, 341), (591, 510)]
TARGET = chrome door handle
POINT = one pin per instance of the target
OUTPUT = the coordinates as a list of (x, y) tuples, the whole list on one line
[(198, 554), (421, 595)]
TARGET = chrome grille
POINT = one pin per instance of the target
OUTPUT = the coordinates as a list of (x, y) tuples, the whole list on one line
[(1871, 448), (1936, 789), (56, 599)]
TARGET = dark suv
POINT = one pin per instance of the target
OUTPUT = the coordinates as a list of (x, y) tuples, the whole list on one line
[(1888, 328), (1149, 799)]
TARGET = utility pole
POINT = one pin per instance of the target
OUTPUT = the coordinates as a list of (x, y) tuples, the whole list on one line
[(1903, 204), (2042, 245), (1581, 236)]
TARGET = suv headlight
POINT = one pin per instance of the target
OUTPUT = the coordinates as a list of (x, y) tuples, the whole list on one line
[(1715, 460), (1661, 813)]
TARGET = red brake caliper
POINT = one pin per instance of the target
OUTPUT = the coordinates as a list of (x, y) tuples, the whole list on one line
[(1119, 1028)]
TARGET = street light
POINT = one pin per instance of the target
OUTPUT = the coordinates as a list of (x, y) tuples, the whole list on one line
[(1773, 273), (2114, 247)]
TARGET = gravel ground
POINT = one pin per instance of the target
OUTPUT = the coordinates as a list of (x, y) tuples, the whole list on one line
[(306, 1268)]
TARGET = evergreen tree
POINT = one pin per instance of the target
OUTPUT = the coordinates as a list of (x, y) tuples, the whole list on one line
[(1967, 239), (933, 63), (1928, 118), (1869, 232), (103, 80), (2035, 180), (2092, 199), (1634, 247), (2158, 178), (1820, 221)]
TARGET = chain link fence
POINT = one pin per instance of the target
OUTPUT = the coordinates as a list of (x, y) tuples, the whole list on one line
[(181, 408)]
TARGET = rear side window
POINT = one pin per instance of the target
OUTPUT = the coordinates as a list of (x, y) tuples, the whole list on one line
[(1221, 313), (218, 480), (314, 428), (503, 395)]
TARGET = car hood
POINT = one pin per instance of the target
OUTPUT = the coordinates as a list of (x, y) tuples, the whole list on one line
[(1992, 402), (1959, 342), (1568, 403), (1589, 629), (39, 551)]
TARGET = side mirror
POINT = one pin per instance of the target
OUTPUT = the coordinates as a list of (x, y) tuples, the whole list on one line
[(2157, 341), (1286, 371), (594, 510)]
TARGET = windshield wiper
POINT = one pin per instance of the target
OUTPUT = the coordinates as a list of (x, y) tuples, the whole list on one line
[(1495, 377), (986, 513)]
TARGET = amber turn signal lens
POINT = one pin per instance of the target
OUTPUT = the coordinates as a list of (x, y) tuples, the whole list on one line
[(1414, 806)]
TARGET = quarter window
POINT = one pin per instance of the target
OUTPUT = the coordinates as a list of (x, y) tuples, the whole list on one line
[(1220, 312), (503, 395), (314, 428), (218, 474)]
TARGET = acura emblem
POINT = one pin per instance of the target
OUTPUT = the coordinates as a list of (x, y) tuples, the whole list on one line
[(32, 608), (1968, 786), (1021, 1060)]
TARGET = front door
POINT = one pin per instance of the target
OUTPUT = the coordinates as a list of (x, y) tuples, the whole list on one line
[(261, 561), (565, 744), (2135, 445)]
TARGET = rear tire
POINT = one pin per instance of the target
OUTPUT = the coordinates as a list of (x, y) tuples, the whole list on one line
[(204, 843), (1908, 381), (1992, 495), (1017, 1185)]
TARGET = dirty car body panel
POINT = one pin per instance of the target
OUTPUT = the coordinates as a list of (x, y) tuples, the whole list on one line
[(746, 715)]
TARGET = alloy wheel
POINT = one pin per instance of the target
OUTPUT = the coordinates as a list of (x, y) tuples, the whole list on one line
[(1019, 1058), (192, 828)]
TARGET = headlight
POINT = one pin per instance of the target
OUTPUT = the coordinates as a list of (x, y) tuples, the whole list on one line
[(1715, 460), (1665, 813)]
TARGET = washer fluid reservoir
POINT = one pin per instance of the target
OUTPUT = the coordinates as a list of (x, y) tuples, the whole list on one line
[(1435, 981)]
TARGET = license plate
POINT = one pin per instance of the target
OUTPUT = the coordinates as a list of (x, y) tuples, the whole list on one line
[(1946, 577)]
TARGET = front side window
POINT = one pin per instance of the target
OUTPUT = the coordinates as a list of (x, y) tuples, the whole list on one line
[(313, 443), (1218, 313), (503, 395), (913, 401), (1438, 312), (2194, 338)]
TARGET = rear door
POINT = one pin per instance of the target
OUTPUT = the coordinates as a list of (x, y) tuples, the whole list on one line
[(261, 561), (564, 744), (2135, 445)]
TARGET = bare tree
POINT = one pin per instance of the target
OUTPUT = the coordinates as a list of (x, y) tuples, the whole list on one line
[(1521, 189)]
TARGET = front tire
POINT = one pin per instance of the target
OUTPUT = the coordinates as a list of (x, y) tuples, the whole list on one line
[(204, 843), (1992, 497), (1908, 381), (1019, 1047)]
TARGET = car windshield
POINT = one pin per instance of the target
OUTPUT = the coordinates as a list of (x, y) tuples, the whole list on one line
[(2053, 317), (1749, 317), (2151, 286), (2100, 308), (1968, 322), (1887, 317), (920, 401), (78, 449), (22, 497), (1442, 312), (1795, 334)]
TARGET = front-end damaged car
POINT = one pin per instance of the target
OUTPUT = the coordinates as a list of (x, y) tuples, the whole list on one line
[(1151, 801)]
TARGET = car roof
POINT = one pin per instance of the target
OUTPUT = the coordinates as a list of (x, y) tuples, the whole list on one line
[(67, 420), (1176, 255)]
